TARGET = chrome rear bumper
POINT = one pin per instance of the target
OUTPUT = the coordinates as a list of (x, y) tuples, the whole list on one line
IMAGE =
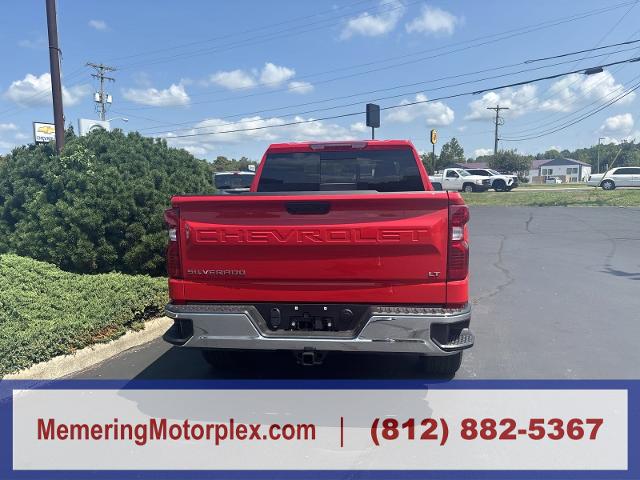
[(428, 331)]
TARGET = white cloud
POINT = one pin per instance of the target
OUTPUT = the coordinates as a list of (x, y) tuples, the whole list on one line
[(481, 152), (435, 113), (196, 150), (617, 124), (518, 100), (99, 25), (274, 75), (6, 127), (631, 137), (576, 88), (233, 79), (358, 127), (300, 87), (34, 44), (172, 96), (433, 20), (316, 131), (142, 79), (10, 136), (271, 75), (203, 143), (36, 90), (372, 25)]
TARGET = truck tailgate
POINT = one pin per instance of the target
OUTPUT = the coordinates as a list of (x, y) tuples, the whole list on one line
[(333, 247)]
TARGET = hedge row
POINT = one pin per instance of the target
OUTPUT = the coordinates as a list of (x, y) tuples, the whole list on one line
[(45, 311)]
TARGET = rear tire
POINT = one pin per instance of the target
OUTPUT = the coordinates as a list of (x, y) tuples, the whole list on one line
[(437, 186), (442, 365), (468, 188), (608, 185)]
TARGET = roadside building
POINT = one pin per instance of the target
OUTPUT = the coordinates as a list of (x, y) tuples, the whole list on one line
[(567, 169)]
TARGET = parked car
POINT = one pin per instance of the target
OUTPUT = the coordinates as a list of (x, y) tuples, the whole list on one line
[(553, 180), (233, 182), (499, 182), (616, 177), (341, 246), (459, 180)]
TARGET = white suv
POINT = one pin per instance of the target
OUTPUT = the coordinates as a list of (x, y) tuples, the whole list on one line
[(499, 182), (616, 177)]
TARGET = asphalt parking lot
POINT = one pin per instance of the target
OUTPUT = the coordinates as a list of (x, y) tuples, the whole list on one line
[(555, 292)]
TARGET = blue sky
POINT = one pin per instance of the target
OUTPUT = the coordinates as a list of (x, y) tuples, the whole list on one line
[(192, 69)]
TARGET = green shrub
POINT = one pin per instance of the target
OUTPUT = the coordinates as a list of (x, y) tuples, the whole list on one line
[(45, 311), (98, 207)]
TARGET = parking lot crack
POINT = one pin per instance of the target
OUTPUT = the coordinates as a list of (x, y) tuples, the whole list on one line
[(527, 224), (499, 265)]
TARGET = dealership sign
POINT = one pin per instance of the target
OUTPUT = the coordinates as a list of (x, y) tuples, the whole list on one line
[(44, 132)]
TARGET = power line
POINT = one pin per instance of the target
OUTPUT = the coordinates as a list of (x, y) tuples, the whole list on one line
[(573, 95), (41, 94), (467, 74), (546, 94), (242, 32), (543, 59), (296, 30), (496, 38), (408, 104), (547, 123), (582, 118)]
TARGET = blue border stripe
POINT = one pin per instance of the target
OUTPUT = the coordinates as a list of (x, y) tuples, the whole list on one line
[(6, 426)]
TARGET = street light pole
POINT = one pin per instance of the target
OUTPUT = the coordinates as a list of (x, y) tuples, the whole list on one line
[(599, 140)]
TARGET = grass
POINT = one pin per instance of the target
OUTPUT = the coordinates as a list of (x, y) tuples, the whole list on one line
[(593, 197), (45, 312)]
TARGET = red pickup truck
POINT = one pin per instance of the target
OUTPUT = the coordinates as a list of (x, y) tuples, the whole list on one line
[(339, 246)]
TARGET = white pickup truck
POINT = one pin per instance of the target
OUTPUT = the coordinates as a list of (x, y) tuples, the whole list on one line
[(459, 180)]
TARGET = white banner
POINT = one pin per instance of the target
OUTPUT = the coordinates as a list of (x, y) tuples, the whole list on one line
[(320, 429)]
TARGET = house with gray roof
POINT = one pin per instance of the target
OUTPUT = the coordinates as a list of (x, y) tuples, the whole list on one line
[(567, 169)]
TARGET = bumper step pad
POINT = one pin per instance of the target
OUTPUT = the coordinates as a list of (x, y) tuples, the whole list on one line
[(459, 340)]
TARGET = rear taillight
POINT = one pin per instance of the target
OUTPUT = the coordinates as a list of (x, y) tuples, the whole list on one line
[(458, 255), (172, 220)]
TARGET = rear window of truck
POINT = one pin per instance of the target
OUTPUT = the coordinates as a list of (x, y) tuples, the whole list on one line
[(379, 170), (233, 180)]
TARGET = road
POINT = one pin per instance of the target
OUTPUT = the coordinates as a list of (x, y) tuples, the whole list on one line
[(555, 291)]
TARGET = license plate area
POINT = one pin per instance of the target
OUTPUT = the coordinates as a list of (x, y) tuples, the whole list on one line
[(305, 317)]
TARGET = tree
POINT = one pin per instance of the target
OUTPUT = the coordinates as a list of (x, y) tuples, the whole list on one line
[(451, 152), (511, 161), (98, 206), (224, 164), (430, 162)]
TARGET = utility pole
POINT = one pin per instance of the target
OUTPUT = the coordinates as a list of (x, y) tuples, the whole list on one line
[(54, 66), (101, 97), (499, 121), (599, 140)]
